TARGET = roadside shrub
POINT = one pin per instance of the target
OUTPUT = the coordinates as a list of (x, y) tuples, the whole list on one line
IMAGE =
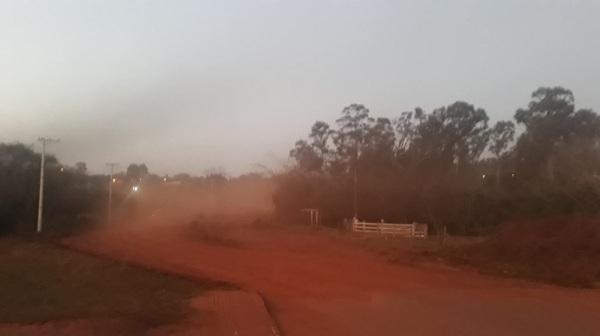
[(564, 250)]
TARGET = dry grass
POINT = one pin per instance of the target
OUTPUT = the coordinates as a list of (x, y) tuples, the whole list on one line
[(411, 251), (564, 251), (41, 282)]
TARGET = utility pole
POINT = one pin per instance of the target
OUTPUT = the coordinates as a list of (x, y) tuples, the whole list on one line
[(356, 182), (110, 183), (355, 193), (44, 141)]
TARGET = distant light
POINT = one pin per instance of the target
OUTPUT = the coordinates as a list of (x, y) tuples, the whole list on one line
[(114, 180), (135, 188), (483, 176), (513, 174), (164, 179), (62, 169)]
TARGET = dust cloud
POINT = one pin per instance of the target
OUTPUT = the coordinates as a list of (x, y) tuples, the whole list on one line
[(174, 203)]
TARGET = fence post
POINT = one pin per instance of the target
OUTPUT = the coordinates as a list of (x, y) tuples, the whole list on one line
[(412, 230)]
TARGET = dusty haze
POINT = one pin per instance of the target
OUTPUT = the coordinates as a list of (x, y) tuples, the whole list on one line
[(175, 204)]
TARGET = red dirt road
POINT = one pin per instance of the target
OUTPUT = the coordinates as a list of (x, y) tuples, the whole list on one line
[(319, 285)]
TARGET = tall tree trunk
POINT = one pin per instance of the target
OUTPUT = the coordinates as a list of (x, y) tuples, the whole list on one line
[(550, 168), (498, 174)]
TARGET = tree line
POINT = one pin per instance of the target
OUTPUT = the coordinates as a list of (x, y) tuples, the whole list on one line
[(448, 167), (75, 199), (71, 194)]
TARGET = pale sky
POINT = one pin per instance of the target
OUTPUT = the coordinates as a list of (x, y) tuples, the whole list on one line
[(188, 85)]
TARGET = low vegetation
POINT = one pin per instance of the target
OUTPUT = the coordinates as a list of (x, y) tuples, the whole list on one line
[(41, 282), (564, 251), (558, 250)]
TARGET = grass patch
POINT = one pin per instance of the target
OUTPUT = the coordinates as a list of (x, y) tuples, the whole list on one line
[(412, 251), (41, 282), (563, 251)]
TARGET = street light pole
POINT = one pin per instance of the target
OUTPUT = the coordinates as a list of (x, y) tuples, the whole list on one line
[(110, 183), (357, 148), (44, 141), (355, 193)]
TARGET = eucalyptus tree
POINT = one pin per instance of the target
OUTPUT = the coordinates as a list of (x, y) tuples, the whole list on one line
[(451, 137), (551, 125), (350, 137), (501, 135)]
